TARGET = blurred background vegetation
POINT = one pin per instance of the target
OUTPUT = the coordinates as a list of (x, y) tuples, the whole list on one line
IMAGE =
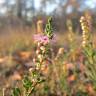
[(21, 13)]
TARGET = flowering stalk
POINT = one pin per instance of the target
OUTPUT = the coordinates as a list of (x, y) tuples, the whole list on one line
[(42, 53), (70, 34), (86, 35), (42, 58), (49, 29), (40, 26), (72, 41), (89, 52)]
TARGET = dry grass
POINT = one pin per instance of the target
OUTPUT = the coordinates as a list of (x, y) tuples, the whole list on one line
[(16, 39)]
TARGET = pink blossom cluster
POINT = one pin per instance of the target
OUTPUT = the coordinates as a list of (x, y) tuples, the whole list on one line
[(41, 38), (44, 39)]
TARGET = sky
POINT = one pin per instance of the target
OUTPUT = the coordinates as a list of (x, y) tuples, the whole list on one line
[(37, 6), (90, 3), (49, 7), (87, 4), (1, 1)]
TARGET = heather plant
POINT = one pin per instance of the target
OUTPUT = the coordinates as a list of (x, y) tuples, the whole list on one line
[(86, 34), (71, 35), (88, 50), (43, 56), (72, 44)]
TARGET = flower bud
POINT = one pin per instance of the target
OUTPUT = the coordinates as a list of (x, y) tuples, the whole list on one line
[(40, 57), (37, 51), (39, 44), (31, 69), (43, 48), (83, 43), (34, 60)]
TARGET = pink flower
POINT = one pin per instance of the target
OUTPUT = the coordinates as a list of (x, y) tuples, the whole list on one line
[(41, 38), (44, 39)]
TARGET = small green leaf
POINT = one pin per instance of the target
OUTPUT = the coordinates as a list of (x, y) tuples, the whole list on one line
[(27, 83), (16, 92), (49, 28)]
